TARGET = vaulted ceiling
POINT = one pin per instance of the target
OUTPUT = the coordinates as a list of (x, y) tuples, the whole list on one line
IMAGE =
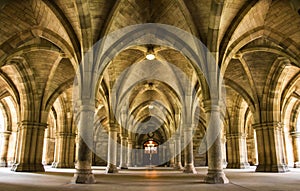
[(42, 43)]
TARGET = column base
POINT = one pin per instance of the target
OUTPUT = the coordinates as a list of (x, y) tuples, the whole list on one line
[(225, 164), (21, 167), (111, 168), (178, 166), (297, 165), (3, 163), (123, 166), (216, 177), (61, 165), (244, 165), (189, 169), (83, 177), (271, 168)]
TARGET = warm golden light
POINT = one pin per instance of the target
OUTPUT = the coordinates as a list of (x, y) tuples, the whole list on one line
[(150, 56)]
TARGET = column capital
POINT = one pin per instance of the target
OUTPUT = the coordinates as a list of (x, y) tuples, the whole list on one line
[(64, 134), (85, 105), (213, 105), (113, 126), (188, 126), (295, 134), (236, 135), (30, 124), (5, 133), (268, 125)]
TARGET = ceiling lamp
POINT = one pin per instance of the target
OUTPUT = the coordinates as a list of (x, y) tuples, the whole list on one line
[(150, 54)]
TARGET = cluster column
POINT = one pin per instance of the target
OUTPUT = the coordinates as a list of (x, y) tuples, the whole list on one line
[(4, 149), (237, 150), (123, 154), (270, 147), (188, 151), (64, 151), (49, 145), (172, 152), (112, 149), (129, 153), (83, 174), (30, 147), (296, 145), (215, 174), (178, 164)]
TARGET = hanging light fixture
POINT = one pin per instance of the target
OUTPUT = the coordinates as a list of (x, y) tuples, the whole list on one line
[(150, 54)]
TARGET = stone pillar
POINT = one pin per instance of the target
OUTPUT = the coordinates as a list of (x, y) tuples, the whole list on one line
[(270, 147), (215, 174), (223, 140), (48, 151), (83, 174), (64, 157), (296, 148), (178, 165), (123, 154), (4, 148), (129, 153), (172, 152), (30, 147), (252, 150), (188, 151), (163, 154), (112, 149), (237, 151)]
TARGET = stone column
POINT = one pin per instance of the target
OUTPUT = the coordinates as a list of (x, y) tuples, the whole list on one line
[(4, 149), (270, 147), (112, 149), (237, 151), (172, 152), (223, 140), (188, 151), (178, 164), (64, 157), (251, 150), (296, 148), (129, 153), (83, 174), (30, 147), (48, 154), (123, 154), (215, 174)]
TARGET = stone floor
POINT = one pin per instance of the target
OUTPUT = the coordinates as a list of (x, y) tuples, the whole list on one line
[(138, 179)]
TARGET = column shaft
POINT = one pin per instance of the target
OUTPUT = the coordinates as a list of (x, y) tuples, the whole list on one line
[(270, 147), (215, 173), (188, 152), (237, 151), (112, 149), (129, 153), (64, 151), (296, 145), (172, 153), (84, 173), (4, 149), (30, 147), (123, 154), (178, 164)]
